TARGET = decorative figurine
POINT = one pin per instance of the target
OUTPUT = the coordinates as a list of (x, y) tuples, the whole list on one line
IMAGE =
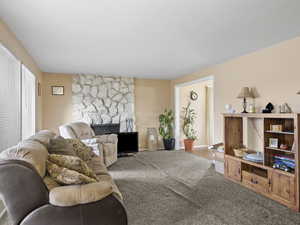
[(269, 108), (285, 108)]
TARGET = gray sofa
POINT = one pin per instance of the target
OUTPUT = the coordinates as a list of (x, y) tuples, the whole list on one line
[(105, 146), (29, 200)]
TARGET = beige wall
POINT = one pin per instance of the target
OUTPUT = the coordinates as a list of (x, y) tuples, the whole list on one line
[(57, 110), (200, 107), (9, 40), (152, 97), (274, 72)]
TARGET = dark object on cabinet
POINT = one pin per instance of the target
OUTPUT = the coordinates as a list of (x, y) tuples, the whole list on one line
[(269, 108)]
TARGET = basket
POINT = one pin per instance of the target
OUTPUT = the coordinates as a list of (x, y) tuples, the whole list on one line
[(240, 152)]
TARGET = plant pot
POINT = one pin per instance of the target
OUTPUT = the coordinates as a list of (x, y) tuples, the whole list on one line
[(169, 144), (188, 145)]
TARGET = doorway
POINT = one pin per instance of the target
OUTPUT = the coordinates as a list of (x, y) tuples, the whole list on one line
[(203, 106)]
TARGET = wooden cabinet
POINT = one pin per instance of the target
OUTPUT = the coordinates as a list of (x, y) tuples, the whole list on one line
[(262, 177), (233, 169), (282, 187)]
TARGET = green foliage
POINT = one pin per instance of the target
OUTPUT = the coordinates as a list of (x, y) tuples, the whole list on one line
[(166, 124), (188, 119)]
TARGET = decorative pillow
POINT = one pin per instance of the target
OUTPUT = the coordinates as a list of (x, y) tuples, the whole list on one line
[(60, 146), (72, 163), (66, 176), (81, 150)]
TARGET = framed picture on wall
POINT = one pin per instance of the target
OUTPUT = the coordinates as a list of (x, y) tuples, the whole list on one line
[(58, 90)]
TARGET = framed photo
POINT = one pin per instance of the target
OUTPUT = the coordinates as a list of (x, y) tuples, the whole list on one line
[(58, 90), (273, 143)]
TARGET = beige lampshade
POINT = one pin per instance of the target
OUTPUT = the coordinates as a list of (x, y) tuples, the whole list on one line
[(245, 93)]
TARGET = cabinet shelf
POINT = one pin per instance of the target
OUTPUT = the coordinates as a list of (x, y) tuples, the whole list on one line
[(280, 132), (280, 150)]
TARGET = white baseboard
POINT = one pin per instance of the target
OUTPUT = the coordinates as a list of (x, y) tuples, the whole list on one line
[(197, 146)]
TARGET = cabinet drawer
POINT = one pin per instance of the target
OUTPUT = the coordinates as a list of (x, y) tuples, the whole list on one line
[(256, 182)]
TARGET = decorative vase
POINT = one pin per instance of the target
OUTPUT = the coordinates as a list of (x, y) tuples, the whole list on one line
[(188, 145), (169, 144), (152, 139)]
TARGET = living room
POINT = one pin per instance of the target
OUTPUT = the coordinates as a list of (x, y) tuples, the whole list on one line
[(145, 97)]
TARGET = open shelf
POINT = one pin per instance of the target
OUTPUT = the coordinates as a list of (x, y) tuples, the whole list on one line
[(260, 165), (280, 150), (280, 132)]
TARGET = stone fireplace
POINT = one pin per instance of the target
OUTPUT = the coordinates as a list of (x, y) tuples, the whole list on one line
[(100, 99)]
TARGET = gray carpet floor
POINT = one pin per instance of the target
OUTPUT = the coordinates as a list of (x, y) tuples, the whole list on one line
[(178, 188)]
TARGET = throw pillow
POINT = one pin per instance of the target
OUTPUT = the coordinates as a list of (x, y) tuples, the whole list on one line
[(60, 146), (81, 150), (72, 163), (66, 176)]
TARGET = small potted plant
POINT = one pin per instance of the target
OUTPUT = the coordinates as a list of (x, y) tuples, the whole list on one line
[(166, 124), (188, 120)]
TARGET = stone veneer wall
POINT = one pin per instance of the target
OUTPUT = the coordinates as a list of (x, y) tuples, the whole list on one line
[(103, 99)]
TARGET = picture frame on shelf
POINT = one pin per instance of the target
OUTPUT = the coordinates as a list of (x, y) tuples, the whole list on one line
[(273, 143)]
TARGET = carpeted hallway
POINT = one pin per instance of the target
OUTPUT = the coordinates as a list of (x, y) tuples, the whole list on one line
[(178, 188)]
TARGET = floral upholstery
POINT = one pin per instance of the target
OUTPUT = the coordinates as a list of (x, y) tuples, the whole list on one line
[(72, 163), (64, 175)]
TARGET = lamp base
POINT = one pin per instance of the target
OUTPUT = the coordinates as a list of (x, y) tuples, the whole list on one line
[(245, 105)]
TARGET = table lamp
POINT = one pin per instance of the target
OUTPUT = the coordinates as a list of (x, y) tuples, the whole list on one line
[(244, 94)]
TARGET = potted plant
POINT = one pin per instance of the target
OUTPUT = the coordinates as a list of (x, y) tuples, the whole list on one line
[(166, 124), (188, 120)]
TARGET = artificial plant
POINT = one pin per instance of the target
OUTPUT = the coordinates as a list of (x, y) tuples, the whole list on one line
[(166, 124), (188, 120)]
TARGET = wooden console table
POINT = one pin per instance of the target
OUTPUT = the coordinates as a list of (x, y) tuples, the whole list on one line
[(276, 184)]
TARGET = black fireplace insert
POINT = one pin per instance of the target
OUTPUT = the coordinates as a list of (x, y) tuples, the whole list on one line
[(128, 142)]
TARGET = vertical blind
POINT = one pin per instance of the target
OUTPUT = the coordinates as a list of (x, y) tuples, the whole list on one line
[(28, 103), (10, 99)]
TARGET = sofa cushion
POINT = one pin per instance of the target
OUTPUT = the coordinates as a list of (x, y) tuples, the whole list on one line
[(30, 151), (43, 137), (81, 150), (72, 163), (72, 195), (60, 146), (66, 176)]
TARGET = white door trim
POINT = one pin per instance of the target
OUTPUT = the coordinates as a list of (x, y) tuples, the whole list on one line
[(177, 105)]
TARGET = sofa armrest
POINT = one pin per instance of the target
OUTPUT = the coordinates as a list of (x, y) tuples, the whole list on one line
[(106, 211), (22, 189), (72, 195), (108, 138)]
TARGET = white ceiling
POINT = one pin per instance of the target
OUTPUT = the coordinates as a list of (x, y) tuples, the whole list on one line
[(146, 38)]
